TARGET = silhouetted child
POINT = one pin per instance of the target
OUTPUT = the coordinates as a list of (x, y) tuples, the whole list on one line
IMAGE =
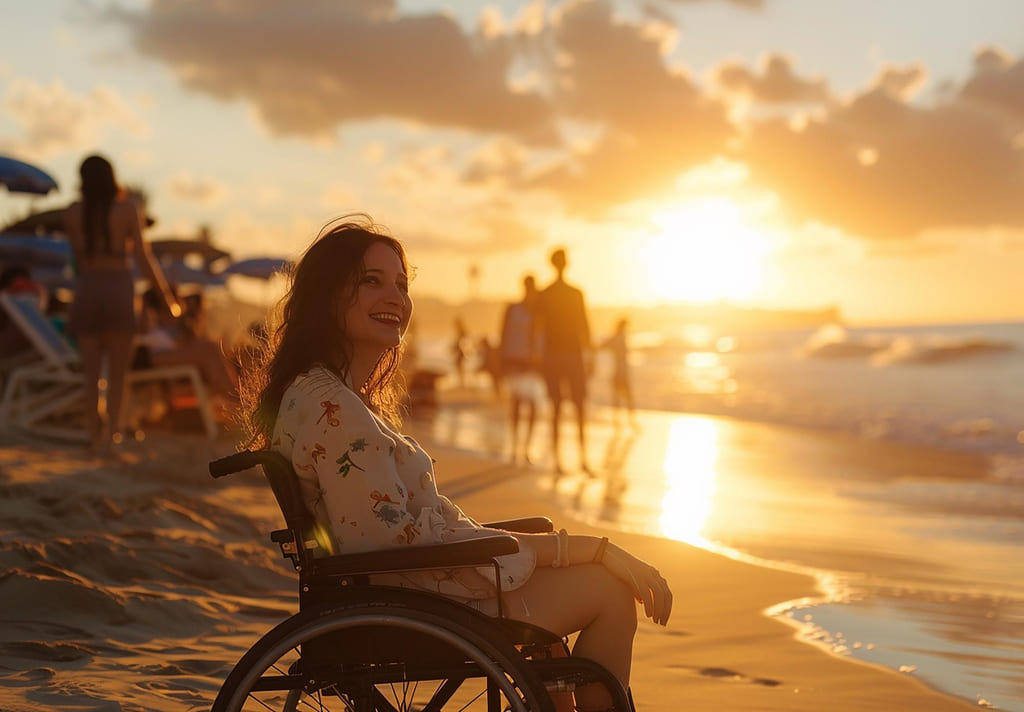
[(622, 393)]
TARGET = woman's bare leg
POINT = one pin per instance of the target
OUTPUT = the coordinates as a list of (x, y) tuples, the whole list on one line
[(581, 430), (531, 416), (92, 360), (590, 600), (556, 414), (514, 425), (120, 349)]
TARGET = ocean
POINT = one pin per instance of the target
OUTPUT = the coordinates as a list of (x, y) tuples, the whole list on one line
[(958, 386), (886, 462)]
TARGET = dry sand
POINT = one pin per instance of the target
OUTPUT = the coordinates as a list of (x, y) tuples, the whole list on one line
[(136, 587)]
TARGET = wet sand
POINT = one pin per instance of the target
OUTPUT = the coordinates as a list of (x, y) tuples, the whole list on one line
[(912, 550), (721, 650)]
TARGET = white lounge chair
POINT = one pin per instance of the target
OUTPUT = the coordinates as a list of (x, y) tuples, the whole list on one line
[(53, 385)]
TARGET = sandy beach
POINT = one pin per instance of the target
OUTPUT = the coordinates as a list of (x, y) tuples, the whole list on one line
[(720, 650), (136, 586)]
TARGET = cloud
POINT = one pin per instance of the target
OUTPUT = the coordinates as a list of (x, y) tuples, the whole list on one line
[(902, 82), (340, 197), (746, 4), (775, 83), (308, 68), (998, 82), (305, 72), (56, 119), (492, 230), (654, 121), (204, 191), (881, 167), (498, 161), (420, 168), (581, 104)]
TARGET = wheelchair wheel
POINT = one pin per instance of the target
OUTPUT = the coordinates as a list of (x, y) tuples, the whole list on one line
[(384, 654)]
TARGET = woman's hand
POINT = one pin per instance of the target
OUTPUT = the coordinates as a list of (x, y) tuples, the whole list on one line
[(646, 583)]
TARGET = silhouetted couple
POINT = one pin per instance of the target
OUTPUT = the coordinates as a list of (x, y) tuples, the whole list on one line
[(548, 332)]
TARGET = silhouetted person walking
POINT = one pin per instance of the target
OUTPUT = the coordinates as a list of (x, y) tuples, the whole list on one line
[(565, 351), (459, 351), (622, 393), (520, 358)]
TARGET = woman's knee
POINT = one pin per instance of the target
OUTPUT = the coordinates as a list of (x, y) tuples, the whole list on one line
[(617, 599)]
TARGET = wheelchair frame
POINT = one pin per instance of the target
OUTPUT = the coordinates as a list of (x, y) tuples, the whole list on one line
[(364, 647)]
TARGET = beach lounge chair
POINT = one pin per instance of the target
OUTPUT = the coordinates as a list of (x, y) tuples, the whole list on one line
[(359, 645), (43, 395)]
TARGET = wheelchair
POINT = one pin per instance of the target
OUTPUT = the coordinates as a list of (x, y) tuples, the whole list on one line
[(364, 647)]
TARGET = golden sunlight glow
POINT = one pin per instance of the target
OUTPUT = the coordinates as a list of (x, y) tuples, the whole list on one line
[(705, 251), (690, 475)]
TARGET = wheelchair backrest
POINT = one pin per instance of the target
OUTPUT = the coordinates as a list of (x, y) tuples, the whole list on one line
[(309, 539)]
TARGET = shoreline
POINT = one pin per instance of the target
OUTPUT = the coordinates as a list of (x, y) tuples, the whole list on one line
[(836, 587)]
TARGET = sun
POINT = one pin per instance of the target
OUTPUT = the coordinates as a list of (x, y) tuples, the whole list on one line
[(704, 251)]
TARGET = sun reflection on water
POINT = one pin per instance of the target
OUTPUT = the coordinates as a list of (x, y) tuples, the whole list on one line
[(703, 372), (690, 457)]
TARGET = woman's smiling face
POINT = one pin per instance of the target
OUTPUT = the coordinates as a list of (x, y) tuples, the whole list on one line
[(379, 316)]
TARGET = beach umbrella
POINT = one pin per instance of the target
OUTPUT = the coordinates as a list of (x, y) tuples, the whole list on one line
[(54, 278), (47, 221), (258, 267), (21, 177), (34, 250), (181, 273), (176, 248)]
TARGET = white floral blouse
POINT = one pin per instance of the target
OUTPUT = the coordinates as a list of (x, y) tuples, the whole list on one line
[(374, 488)]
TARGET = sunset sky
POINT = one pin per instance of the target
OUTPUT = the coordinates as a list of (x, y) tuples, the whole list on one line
[(866, 154)]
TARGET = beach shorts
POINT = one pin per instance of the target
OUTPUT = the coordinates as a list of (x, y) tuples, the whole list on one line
[(525, 386), (565, 369), (104, 302)]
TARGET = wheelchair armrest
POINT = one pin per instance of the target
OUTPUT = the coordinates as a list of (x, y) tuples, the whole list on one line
[(472, 552), (526, 525)]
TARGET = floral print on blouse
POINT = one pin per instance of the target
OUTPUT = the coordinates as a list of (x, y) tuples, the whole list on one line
[(374, 488)]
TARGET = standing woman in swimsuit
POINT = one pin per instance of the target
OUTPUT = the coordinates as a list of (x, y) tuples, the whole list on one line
[(105, 228)]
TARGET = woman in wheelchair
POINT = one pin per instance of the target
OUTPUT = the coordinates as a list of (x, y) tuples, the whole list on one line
[(322, 395)]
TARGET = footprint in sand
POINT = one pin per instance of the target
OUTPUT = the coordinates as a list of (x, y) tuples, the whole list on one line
[(56, 652), (731, 675)]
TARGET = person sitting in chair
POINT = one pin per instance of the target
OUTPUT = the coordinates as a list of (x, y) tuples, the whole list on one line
[(322, 395), (170, 342)]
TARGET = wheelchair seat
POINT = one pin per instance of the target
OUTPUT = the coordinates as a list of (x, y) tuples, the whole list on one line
[(361, 646)]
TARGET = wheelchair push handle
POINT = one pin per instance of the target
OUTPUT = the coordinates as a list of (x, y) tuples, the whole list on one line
[(231, 464)]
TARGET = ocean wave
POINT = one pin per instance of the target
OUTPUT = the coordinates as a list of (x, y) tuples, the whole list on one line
[(996, 507), (911, 350), (834, 341)]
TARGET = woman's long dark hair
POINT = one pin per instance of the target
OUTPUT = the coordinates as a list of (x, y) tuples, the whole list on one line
[(307, 328), (99, 190)]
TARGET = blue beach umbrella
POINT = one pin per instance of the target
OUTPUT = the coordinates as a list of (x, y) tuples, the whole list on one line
[(181, 273), (21, 177), (258, 267), (178, 249), (34, 250)]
